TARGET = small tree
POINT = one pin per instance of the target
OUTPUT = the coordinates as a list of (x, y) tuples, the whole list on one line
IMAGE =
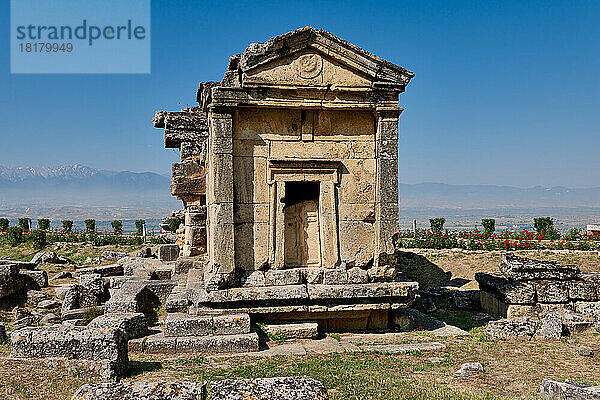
[(489, 226), (4, 224), (437, 224), (24, 224), (67, 225), (139, 225), (39, 239), (173, 224), (90, 225), (544, 226), (15, 235), (43, 224), (117, 226)]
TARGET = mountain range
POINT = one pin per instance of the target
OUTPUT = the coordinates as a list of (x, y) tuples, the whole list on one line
[(77, 191)]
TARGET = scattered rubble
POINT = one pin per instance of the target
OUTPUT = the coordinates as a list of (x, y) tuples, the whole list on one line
[(568, 390)]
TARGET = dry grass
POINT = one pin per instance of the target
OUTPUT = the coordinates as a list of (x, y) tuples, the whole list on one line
[(445, 267)]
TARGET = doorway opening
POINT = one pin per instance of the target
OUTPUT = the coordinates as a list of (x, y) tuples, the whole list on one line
[(302, 242)]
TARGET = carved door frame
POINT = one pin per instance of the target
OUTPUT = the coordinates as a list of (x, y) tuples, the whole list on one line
[(327, 173)]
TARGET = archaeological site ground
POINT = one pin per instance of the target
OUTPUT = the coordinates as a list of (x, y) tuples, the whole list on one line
[(286, 274)]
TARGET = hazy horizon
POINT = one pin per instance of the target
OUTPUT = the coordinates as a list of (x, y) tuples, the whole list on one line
[(503, 94)]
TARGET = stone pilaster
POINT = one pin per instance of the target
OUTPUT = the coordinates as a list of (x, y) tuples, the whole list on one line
[(386, 191), (220, 232)]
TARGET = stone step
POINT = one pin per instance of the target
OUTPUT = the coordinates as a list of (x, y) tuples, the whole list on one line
[(218, 344), (179, 325), (303, 330)]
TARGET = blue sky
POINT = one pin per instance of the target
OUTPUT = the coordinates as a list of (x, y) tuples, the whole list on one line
[(504, 93)]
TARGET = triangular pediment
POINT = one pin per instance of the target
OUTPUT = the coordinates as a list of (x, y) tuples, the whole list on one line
[(314, 57)]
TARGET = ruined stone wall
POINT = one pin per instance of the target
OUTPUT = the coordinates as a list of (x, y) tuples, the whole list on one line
[(266, 134)]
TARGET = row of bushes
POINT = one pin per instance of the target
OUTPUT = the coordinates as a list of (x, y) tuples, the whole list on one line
[(90, 225), (67, 225), (544, 226), (15, 235)]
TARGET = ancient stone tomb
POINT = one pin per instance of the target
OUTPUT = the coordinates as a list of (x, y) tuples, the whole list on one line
[(289, 169)]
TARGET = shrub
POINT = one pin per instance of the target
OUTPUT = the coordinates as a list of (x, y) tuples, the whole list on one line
[(437, 224), (43, 224), (15, 235), (544, 226), (39, 239), (24, 224), (90, 225), (574, 234), (4, 224), (489, 226), (67, 225), (173, 224), (117, 226), (139, 225)]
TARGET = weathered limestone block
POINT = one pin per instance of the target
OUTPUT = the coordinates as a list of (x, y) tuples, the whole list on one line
[(106, 270), (141, 390), (524, 269), (168, 252), (193, 150), (259, 389), (188, 168), (586, 290), (110, 255), (568, 390), (232, 324), (183, 185), (251, 245), (133, 324), (253, 278), (178, 300), (363, 291), (357, 275), (10, 280), (297, 388), (382, 273), (188, 325), (279, 277), (552, 292), (304, 330), (158, 344), (506, 328), (313, 276), (35, 279), (508, 291), (87, 344), (335, 276)]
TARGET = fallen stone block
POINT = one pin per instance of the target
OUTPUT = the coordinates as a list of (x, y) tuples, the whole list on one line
[(510, 292), (109, 255), (10, 280), (19, 264), (168, 252), (188, 325), (550, 327), (133, 324), (3, 337), (160, 344), (506, 328), (568, 390), (35, 279), (466, 300), (297, 388), (525, 269), (304, 330), (48, 304), (104, 270), (231, 324), (61, 275), (87, 344), (178, 300)]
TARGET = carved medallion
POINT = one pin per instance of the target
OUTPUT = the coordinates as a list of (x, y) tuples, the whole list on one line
[(309, 66)]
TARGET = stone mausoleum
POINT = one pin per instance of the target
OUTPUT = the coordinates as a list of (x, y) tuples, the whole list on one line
[(289, 180)]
